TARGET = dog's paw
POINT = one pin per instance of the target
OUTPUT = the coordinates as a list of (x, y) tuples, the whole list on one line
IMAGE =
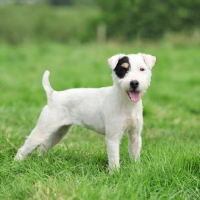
[(19, 157), (114, 170)]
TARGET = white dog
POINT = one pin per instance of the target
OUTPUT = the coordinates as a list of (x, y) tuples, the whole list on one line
[(108, 110)]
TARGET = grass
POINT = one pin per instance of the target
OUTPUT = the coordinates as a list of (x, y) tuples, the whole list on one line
[(60, 24), (77, 168)]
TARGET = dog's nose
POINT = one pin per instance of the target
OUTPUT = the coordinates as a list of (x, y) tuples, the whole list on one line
[(134, 84)]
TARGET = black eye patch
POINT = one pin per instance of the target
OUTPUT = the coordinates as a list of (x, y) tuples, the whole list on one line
[(122, 67)]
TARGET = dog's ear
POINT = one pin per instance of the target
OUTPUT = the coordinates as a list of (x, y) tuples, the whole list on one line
[(112, 61), (148, 59)]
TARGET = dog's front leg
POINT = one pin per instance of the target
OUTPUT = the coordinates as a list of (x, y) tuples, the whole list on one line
[(113, 152), (135, 143)]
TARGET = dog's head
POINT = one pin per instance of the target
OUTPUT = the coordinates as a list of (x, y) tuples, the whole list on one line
[(132, 73)]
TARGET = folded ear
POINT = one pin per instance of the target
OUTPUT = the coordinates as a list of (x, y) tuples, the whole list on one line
[(148, 59), (112, 61)]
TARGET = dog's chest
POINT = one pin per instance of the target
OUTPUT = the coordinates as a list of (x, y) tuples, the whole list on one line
[(132, 118), (130, 122)]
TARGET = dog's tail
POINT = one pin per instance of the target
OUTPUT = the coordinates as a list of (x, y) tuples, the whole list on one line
[(46, 84)]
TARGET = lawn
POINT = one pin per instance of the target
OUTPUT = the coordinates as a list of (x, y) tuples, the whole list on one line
[(76, 168)]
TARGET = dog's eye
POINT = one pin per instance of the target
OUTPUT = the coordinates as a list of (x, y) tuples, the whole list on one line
[(142, 69)]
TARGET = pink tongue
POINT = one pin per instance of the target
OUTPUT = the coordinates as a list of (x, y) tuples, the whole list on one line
[(135, 96)]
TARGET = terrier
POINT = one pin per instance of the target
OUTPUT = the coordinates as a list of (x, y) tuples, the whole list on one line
[(109, 110)]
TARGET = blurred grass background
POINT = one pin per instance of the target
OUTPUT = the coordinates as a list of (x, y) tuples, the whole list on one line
[(73, 21), (73, 39)]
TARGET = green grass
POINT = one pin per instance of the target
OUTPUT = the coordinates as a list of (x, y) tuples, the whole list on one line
[(77, 167), (39, 23)]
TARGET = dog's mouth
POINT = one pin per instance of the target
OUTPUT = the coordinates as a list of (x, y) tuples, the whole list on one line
[(134, 95)]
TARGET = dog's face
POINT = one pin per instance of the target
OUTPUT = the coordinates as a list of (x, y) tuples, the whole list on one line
[(132, 73)]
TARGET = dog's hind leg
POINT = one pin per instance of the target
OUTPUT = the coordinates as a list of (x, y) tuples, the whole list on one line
[(54, 139), (48, 123), (36, 137)]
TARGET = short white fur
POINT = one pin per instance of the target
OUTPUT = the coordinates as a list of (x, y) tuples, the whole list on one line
[(107, 110)]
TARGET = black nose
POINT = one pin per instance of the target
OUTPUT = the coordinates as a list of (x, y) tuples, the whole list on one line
[(134, 84)]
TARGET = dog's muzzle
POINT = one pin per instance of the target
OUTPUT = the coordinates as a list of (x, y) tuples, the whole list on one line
[(134, 94)]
